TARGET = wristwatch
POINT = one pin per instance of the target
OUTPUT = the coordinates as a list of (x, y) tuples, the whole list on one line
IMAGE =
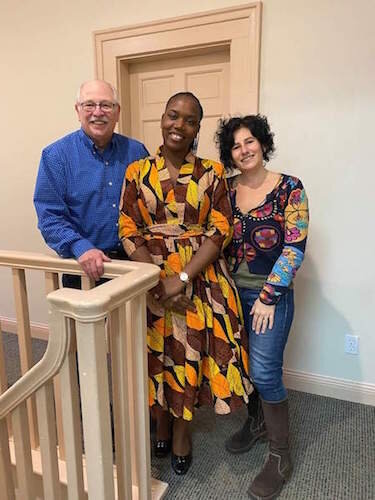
[(184, 277)]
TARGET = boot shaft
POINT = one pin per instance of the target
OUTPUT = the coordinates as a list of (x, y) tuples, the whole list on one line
[(276, 418), (278, 466), (255, 411)]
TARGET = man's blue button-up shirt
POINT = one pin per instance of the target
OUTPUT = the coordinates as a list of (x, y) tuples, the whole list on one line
[(78, 189)]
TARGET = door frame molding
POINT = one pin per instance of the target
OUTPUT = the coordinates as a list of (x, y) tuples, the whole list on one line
[(236, 27)]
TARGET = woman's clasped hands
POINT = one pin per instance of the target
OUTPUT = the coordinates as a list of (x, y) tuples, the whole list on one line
[(170, 292)]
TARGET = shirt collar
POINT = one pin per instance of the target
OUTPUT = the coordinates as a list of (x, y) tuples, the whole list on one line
[(91, 145)]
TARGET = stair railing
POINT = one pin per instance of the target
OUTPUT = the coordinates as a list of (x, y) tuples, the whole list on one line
[(72, 392)]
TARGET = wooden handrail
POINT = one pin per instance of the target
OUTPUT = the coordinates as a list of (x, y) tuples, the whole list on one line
[(84, 305), (43, 262), (82, 319), (39, 374)]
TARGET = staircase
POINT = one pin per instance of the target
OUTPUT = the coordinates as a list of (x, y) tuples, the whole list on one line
[(47, 418)]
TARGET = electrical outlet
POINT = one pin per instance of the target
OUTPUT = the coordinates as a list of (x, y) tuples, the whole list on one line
[(351, 344)]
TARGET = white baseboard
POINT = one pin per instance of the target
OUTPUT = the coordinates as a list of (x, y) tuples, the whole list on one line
[(38, 330), (347, 390)]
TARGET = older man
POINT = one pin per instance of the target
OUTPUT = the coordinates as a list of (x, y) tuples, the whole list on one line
[(79, 183)]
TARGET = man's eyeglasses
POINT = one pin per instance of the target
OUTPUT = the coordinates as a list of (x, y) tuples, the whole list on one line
[(105, 106)]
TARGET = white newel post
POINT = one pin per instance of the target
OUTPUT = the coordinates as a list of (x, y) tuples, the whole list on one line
[(122, 403), (142, 421), (93, 379)]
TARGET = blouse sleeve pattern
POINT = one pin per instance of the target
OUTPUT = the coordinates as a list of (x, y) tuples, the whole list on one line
[(296, 217), (131, 221), (220, 220)]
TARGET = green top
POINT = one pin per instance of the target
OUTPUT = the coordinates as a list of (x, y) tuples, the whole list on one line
[(244, 279)]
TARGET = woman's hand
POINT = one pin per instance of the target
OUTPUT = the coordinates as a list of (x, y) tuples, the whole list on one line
[(170, 293), (262, 316), (167, 287), (179, 304), (171, 286)]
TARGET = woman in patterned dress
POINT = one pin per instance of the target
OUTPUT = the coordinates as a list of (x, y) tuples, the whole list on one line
[(270, 230), (175, 212)]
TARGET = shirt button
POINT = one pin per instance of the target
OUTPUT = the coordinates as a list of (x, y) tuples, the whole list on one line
[(114, 205), (109, 183), (116, 224), (106, 163)]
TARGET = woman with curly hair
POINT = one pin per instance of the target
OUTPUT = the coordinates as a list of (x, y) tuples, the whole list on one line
[(270, 230)]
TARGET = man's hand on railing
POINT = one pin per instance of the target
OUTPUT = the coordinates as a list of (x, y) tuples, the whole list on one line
[(92, 263)]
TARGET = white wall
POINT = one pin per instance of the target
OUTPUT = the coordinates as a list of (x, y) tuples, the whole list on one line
[(317, 88)]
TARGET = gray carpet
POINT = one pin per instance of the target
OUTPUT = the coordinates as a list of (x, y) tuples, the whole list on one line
[(11, 354), (333, 445)]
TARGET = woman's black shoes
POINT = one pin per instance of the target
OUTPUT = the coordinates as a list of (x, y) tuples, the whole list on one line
[(162, 447), (181, 464)]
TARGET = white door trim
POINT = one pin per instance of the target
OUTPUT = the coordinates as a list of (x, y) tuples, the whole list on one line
[(237, 27)]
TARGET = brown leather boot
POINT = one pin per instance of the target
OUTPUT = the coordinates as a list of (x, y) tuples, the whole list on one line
[(278, 466), (252, 430)]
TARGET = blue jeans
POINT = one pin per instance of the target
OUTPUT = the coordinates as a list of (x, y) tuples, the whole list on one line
[(266, 350)]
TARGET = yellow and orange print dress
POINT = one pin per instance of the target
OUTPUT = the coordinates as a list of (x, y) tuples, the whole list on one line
[(196, 358)]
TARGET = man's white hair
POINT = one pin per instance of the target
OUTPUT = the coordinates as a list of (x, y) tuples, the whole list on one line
[(114, 90)]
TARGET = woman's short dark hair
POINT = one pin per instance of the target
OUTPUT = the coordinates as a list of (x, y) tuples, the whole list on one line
[(191, 96), (259, 128)]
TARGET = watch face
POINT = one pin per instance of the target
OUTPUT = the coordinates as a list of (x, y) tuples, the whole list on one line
[(184, 277)]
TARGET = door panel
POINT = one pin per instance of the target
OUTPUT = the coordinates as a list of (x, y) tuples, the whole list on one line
[(154, 81)]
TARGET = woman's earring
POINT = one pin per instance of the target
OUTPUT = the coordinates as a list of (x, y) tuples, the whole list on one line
[(194, 146)]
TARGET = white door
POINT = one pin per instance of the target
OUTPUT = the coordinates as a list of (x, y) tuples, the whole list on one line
[(153, 82)]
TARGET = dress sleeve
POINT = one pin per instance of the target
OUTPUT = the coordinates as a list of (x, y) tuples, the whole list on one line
[(132, 210), (220, 220), (296, 216)]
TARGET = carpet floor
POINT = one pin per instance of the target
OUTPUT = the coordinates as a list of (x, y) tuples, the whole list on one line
[(333, 449)]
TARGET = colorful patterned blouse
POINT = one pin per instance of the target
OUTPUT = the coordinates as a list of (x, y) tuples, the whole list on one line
[(271, 238), (197, 206)]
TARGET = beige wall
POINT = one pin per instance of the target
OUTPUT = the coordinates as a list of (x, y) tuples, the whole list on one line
[(317, 88)]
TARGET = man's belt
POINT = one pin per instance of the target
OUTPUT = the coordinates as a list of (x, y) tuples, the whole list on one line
[(116, 254)]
